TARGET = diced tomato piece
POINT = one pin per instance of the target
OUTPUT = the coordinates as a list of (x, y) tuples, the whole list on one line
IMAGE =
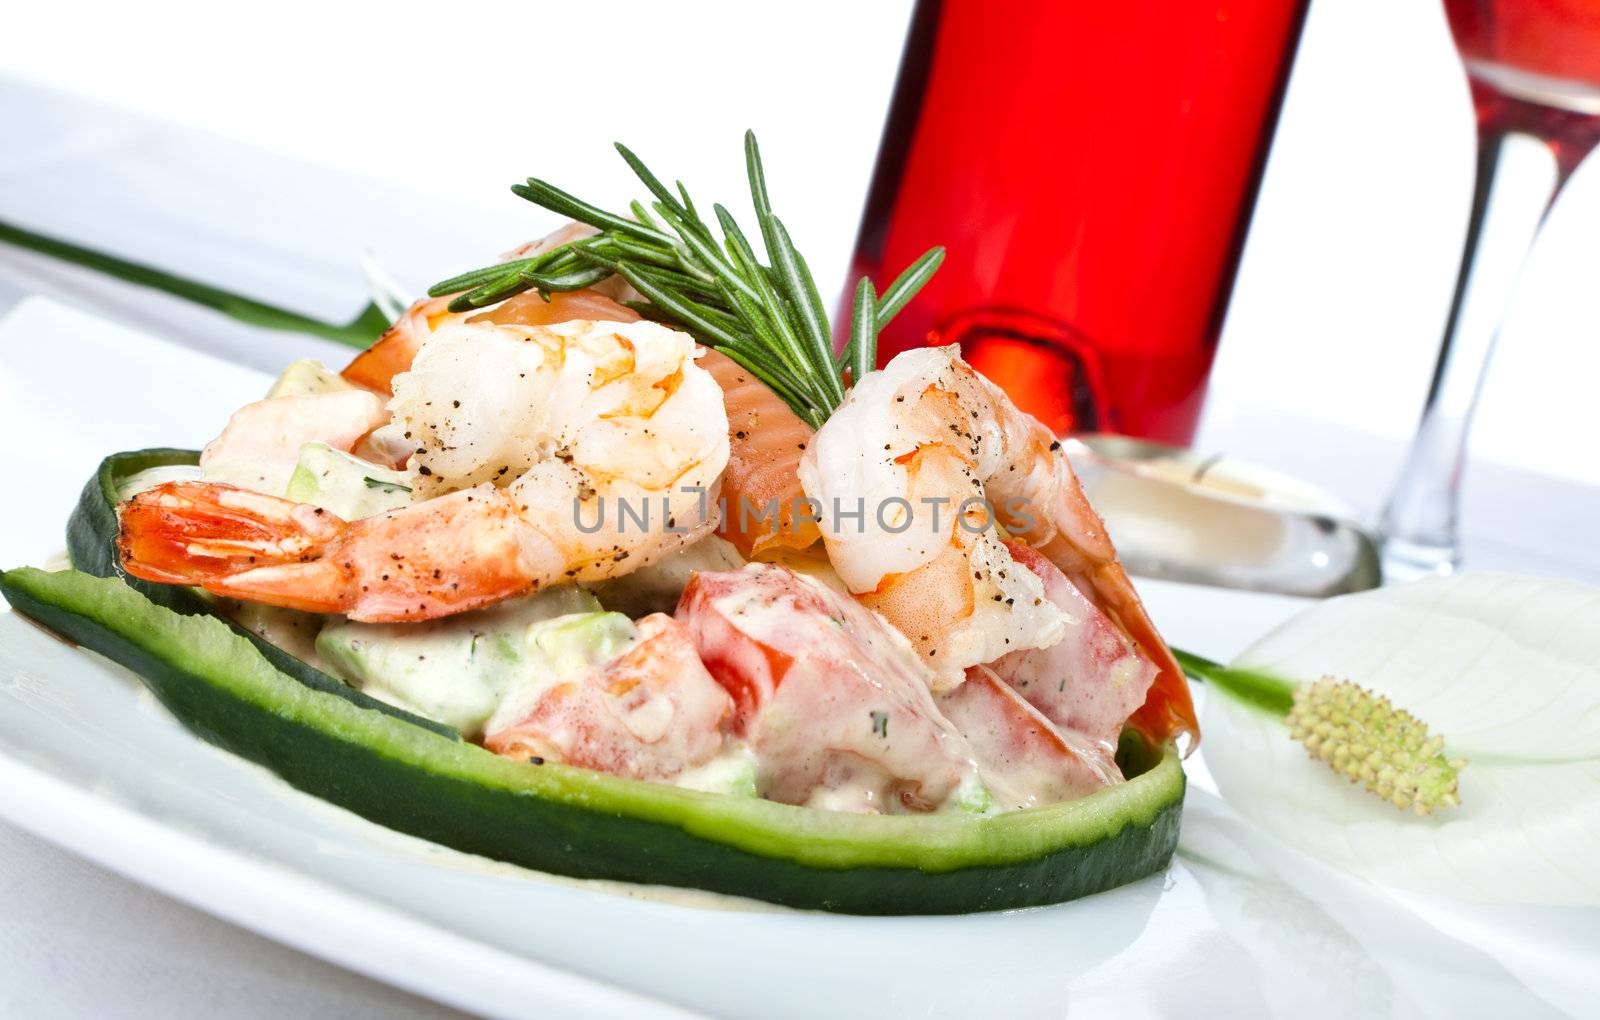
[(1023, 758), (649, 713), (1091, 680), (834, 701)]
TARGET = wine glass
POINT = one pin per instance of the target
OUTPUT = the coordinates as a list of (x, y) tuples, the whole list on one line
[(1534, 70)]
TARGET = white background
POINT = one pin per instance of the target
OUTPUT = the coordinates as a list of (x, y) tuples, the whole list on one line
[(1340, 300)]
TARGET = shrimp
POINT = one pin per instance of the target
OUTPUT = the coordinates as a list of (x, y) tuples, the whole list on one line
[(928, 428), (524, 435), (899, 473), (766, 440), (765, 435), (260, 445), (650, 712), (393, 352)]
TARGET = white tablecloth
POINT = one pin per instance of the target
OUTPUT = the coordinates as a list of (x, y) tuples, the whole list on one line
[(76, 940)]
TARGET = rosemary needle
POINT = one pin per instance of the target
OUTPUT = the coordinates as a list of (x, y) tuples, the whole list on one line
[(768, 316)]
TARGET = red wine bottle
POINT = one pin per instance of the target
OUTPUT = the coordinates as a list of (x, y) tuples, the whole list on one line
[(1091, 167)]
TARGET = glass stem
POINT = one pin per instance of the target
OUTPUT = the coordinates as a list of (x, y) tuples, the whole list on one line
[(1518, 178)]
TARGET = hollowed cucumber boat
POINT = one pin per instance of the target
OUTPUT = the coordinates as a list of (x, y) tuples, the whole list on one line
[(418, 777)]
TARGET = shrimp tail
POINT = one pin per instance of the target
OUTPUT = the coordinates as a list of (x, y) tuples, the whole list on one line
[(462, 551), (316, 586), (234, 542), (1085, 553), (199, 532), (1168, 708)]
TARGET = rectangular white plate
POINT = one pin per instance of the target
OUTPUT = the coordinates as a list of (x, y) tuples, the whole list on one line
[(89, 761)]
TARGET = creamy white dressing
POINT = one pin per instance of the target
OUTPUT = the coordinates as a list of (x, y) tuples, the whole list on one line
[(270, 479), (859, 787), (289, 629), (455, 670), (149, 478), (854, 785), (345, 485)]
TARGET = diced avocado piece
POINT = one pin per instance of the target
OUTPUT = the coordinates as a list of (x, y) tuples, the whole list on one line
[(345, 485), (972, 796), (569, 643), (732, 772), (455, 670), (557, 648), (307, 377)]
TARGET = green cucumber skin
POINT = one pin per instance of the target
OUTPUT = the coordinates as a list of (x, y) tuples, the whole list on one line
[(568, 821), (92, 548)]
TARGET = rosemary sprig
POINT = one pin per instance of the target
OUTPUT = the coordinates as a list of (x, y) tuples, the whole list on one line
[(767, 316)]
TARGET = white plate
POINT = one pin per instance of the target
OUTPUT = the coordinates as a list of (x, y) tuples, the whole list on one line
[(89, 761)]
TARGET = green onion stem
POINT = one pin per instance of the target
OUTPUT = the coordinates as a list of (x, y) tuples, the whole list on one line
[(358, 332), (1259, 689)]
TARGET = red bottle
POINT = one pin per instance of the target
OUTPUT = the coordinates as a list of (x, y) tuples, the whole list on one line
[(1090, 165)]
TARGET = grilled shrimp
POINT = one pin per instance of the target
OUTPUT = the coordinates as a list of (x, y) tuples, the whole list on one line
[(580, 451), (927, 427), (765, 436)]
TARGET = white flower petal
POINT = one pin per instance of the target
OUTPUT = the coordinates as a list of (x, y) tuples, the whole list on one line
[(1508, 670)]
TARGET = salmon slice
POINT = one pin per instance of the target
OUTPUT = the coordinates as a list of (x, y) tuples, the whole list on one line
[(766, 440)]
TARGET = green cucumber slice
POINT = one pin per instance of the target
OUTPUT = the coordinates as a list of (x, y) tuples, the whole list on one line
[(92, 548), (587, 824)]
